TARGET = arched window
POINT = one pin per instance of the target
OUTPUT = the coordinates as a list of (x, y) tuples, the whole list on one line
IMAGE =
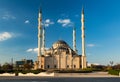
[(41, 66), (48, 66), (55, 66), (74, 66), (67, 66), (80, 66)]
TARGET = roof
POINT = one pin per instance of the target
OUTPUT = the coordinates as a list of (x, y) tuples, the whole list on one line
[(60, 42)]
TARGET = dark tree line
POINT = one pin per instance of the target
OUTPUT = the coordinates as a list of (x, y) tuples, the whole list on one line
[(9, 68)]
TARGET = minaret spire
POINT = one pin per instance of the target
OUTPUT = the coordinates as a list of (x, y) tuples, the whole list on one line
[(83, 32), (83, 40), (74, 39), (82, 10), (43, 40), (39, 37)]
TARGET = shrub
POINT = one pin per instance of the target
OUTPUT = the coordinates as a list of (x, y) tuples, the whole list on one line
[(76, 71), (2, 71), (37, 71), (114, 72), (24, 72)]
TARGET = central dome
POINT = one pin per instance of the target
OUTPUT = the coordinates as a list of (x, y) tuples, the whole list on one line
[(60, 43)]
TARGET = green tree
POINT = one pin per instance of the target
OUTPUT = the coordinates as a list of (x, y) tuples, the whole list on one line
[(27, 66), (111, 63), (0, 66), (7, 67), (116, 67)]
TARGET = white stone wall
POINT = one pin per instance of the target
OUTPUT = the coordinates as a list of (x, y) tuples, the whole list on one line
[(76, 63), (62, 60), (48, 62)]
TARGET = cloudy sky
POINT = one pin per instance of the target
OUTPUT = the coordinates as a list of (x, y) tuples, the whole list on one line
[(18, 27)]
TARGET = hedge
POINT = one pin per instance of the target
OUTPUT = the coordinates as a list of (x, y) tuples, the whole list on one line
[(76, 71), (114, 72)]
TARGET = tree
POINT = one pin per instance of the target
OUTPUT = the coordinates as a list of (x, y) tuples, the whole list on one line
[(117, 67), (7, 67), (0, 66), (111, 63), (27, 66)]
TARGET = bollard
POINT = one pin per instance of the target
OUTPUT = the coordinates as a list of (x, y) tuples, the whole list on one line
[(16, 73)]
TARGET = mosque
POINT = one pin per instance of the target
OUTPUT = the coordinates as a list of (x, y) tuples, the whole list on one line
[(60, 55)]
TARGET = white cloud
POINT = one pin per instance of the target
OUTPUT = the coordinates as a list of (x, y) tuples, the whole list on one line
[(48, 22), (27, 22), (7, 16), (29, 50), (65, 22), (91, 45), (5, 36), (34, 50)]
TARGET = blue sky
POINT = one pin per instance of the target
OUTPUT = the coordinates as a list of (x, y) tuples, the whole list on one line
[(18, 27)]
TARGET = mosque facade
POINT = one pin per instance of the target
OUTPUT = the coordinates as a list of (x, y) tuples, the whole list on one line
[(60, 55)]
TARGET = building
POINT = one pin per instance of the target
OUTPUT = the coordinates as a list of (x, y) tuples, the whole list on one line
[(21, 64), (60, 55)]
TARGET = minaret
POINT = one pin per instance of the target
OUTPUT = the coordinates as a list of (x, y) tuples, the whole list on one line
[(83, 40), (43, 40), (74, 39), (39, 38)]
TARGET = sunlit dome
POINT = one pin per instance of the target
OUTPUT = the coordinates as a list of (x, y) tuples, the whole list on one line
[(60, 44)]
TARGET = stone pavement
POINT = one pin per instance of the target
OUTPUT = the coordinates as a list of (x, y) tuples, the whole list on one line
[(94, 74)]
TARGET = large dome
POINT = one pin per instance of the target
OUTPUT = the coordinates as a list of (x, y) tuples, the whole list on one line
[(60, 44)]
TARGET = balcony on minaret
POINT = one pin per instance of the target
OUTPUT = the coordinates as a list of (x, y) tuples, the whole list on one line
[(83, 28), (83, 36)]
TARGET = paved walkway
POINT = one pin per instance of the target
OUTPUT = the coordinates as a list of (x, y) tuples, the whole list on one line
[(94, 74), (57, 75)]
